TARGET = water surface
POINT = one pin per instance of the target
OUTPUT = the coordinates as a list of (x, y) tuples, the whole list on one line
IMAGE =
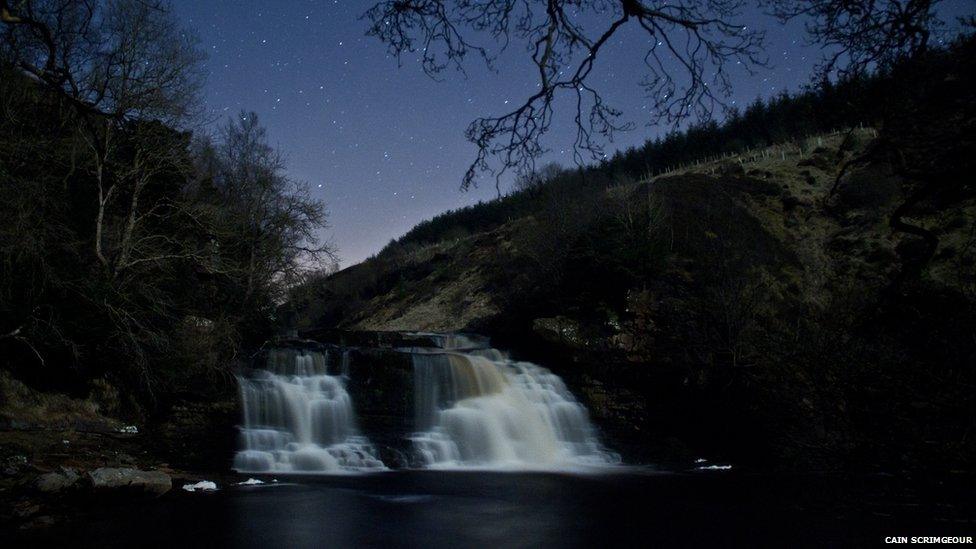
[(479, 509)]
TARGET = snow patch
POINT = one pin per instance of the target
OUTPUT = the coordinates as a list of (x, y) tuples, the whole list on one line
[(203, 485), (250, 482)]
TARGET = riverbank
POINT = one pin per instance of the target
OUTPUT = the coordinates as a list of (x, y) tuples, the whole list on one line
[(53, 488), (49, 476), (59, 454)]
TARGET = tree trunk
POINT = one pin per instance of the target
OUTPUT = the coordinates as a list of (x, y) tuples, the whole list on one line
[(130, 224), (103, 198)]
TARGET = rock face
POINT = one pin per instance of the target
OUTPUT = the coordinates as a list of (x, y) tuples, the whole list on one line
[(381, 384), (199, 434), (154, 483), (57, 481), (560, 330)]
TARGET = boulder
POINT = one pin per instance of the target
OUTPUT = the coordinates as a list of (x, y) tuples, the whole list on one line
[(57, 481), (155, 483)]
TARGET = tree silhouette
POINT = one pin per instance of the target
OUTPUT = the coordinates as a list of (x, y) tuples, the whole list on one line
[(689, 47), (860, 35), (892, 37)]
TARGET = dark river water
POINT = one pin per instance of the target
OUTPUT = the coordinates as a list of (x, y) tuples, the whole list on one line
[(477, 509)]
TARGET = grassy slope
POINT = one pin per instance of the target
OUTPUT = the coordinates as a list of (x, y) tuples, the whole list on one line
[(759, 304), (455, 284)]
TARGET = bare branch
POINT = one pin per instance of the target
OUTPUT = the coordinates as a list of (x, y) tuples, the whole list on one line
[(691, 45), (860, 35)]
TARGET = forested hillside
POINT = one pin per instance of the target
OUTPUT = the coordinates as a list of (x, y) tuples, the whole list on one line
[(809, 301)]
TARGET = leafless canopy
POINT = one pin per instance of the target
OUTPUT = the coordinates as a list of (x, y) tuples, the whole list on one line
[(860, 35), (689, 47), (120, 59)]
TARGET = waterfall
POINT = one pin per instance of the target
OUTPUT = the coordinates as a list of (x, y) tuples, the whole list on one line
[(475, 408), (297, 418)]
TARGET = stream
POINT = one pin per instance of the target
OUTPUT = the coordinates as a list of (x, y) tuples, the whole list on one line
[(634, 508)]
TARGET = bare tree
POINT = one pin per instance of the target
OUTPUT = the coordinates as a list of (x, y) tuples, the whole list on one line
[(123, 74), (275, 221), (115, 62), (118, 239), (690, 45), (534, 181), (115, 58), (861, 35)]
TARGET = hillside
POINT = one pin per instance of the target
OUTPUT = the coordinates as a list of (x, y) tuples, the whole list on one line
[(756, 276), (464, 283), (807, 304)]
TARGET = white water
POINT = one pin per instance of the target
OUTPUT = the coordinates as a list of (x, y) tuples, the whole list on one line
[(477, 409), (474, 409), (297, 418)]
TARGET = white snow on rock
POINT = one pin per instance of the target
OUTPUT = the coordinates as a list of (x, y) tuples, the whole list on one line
[(203, 485), (714, 468), (250, 482), (130, 429)]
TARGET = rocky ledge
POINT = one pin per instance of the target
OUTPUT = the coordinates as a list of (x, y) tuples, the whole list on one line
[(106, 480), (155, 483)]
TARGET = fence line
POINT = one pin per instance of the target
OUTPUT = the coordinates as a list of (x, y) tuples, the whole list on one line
[(754, 154)]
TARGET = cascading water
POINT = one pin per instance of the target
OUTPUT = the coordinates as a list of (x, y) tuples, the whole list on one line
[(297, 418), (475, 408)]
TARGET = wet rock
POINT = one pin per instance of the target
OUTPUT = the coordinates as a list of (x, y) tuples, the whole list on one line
[(560, 330), (57, 481), (381, 384), (155, 483)]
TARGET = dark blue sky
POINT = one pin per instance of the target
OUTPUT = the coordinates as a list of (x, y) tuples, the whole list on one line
[(384, 146)]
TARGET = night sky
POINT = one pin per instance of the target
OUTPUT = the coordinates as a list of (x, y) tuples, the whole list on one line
[(384, 146)]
